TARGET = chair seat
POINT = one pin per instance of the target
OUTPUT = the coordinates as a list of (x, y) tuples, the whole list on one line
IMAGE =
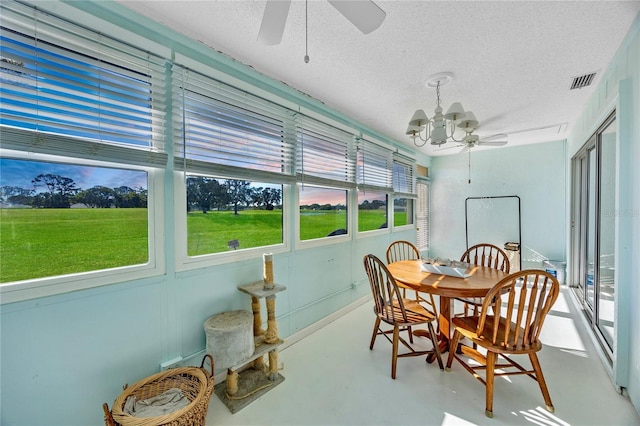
[(468, 325), (416, 313)]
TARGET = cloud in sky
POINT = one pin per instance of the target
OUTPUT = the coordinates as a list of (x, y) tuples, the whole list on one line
[(20, 173)]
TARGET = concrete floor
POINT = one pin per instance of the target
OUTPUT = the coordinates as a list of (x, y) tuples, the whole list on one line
[(332, 378)]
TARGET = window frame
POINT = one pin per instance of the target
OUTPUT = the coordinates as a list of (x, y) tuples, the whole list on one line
[(377, 231), (408, 226), (427, 199), (184, 262), (29, 145), (323, 241), (48, 286)]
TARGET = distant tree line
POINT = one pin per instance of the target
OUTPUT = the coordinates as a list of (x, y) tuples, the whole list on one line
[(207, 194), (316, 206), (373, 205), (61, 192), (365, 205)]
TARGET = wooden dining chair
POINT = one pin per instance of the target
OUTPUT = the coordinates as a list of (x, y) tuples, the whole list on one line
[(405, 250), (400, 313), (484, 255), (509, 323)]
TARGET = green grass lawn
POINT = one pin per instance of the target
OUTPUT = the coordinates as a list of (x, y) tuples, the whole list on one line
[(211, 232), (368, 220), (320, 223), (37, 243)]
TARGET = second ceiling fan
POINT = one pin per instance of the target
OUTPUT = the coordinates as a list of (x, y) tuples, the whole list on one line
[(364, 14)]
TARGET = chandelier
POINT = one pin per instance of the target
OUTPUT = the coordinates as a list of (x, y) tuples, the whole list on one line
[(440, 128)]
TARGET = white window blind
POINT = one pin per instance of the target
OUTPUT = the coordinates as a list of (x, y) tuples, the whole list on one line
[(374, 167), (223, 130), (325, 154), (70, 91), (422, 216), (404, 176)]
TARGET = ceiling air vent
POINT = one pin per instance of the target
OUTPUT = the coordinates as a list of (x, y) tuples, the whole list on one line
[(582, 81)]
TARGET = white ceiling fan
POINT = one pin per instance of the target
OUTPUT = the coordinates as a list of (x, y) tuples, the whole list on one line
[(364, 14), (471, 140)]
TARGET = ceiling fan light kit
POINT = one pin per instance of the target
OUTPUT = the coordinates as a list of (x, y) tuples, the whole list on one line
[(441, 128)]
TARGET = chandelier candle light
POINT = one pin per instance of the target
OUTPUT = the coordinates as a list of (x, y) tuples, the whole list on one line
[(441, 127)]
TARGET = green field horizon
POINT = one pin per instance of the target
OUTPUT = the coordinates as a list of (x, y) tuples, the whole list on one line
[(37, 243)]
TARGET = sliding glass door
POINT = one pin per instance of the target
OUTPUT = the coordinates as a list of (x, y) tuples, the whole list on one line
[(593, 230)]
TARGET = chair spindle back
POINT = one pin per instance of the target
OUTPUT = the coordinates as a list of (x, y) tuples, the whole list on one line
[(402, 250), (523, 299), (386, 293), (487, 255)]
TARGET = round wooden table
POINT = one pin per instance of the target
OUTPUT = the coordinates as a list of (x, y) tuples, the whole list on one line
[(408, 273)]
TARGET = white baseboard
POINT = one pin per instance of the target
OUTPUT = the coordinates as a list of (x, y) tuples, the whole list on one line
[(296, 337), (196, 358)]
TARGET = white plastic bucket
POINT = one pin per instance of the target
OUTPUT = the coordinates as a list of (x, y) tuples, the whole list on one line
[(556, 268)]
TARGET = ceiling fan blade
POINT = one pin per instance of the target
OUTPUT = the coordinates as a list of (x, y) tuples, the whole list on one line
[(492, 143), (273, 20), (365, 15), (465, 149), (449, 147), (496, 136)]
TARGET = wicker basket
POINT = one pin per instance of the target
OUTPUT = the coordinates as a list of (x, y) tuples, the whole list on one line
[(196, 384)]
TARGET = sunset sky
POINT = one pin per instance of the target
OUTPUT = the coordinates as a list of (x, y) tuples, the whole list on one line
[(20, 173)]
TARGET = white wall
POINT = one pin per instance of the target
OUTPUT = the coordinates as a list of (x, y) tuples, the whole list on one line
[(619, 89), (534, 173)]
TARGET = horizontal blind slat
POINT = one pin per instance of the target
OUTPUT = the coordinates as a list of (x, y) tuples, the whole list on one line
[(218, 127), (60, 78), (375, 166), (404, 176), (324, 154)]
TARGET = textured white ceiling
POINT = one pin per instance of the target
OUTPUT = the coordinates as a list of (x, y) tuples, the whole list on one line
[(513, 61)]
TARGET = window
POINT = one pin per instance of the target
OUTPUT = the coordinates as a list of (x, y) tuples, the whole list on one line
[(323, 212), (82, 122), (594, 215), (422, 215), (229, 214), (404, 187), (59, 219), (402, 211), (372, 211), (325, 166), (237, 155)]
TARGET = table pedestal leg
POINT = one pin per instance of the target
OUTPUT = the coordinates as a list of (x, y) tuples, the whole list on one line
[(443, 328)]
